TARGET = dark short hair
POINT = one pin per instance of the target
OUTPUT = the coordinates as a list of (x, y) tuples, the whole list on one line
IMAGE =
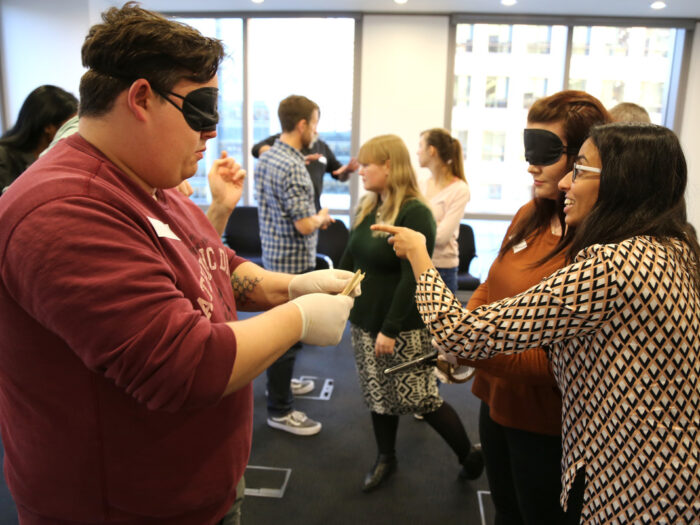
[(46, 105), (133, 43), (294, 109)]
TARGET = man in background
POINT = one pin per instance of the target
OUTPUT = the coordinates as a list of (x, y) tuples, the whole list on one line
[(629, 112), (319, 159), (289, 224)]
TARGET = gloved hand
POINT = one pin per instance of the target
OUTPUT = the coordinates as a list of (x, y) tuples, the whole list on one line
[(323, 317), (321, 281)]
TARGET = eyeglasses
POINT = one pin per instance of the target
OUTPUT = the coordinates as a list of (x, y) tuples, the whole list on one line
[(578, 168)]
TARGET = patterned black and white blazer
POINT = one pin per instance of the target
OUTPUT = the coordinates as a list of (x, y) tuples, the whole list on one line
[(621, 325)]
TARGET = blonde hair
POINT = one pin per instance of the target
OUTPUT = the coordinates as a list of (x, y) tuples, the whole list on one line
[(401, 182)]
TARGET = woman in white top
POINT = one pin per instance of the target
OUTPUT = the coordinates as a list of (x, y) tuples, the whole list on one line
[(447, 192)]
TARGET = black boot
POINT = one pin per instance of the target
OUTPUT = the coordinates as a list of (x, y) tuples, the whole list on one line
[(472, 465), (382, 469)]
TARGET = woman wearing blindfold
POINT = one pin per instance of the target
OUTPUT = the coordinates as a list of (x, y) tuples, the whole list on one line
[(520, 415)]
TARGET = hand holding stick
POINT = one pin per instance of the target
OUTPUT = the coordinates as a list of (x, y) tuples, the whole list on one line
[(356, 279)]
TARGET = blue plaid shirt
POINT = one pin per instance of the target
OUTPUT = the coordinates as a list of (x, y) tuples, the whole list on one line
[(285, 194)]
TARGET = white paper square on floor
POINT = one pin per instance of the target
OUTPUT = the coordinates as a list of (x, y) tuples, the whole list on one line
[(486, 508), (320, 394), (266, 482)]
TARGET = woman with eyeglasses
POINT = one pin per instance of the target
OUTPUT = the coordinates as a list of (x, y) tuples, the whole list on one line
[(520, 413), (621, 325)]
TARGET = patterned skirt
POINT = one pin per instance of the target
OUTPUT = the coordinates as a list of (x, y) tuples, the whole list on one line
[(412, 392)]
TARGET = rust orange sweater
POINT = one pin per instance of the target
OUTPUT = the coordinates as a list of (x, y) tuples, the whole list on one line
[(519, 389)]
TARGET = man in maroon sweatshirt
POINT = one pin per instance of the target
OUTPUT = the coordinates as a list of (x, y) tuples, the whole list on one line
[(125, 392)]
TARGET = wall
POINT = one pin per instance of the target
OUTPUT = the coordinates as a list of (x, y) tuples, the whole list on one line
[(403, 75), (41, 45)]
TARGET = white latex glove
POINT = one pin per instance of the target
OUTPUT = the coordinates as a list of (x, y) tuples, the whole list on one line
[(321, 281), (323, 317)]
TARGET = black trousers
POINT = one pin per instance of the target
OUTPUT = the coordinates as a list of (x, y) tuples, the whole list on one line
[(524, 474)]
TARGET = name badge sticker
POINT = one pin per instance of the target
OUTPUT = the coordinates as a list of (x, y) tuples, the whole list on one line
[(162, 229), (519, 247)]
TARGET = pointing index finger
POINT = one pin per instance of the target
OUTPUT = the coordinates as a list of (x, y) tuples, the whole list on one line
[(385, 228)]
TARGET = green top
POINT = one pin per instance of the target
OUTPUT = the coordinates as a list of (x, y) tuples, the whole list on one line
[(387, 303)]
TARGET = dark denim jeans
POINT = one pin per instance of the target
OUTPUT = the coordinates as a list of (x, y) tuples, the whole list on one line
[(449, 276)]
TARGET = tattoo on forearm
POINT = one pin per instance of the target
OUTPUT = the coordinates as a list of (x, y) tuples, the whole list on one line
[(243, 288)]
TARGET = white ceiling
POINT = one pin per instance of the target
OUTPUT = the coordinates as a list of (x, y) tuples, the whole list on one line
[(626, 8)]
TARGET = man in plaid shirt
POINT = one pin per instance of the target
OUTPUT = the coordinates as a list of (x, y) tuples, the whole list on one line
[(289, 227)]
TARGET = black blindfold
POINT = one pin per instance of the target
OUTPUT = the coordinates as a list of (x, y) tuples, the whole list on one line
[(199, 107), (543, 148)]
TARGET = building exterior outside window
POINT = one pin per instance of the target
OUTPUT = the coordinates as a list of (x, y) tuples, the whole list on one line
[(511, 66)]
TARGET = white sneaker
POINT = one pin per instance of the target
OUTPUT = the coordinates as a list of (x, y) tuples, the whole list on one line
[(295, 422), (301, 386)]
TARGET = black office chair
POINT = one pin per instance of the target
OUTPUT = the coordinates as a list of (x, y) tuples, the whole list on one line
[(242, 233), (467, 252), (331, 245)]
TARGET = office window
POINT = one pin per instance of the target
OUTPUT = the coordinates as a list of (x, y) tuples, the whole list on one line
[(463, 137), (495, 191), (503, 86), (578, 84), (500, 38), (615, 40), (509, 64), (627, 65), (465, 37), (535, 88), (539, 39), (612, 92), (658, 42), (493, 147), (278, 65), (230, 128), (285, 58), (496, 92), (581, 41), (462, 88), (651, 96)]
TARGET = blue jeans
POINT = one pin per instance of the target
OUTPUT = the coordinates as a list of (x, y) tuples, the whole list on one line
[(449, 276)]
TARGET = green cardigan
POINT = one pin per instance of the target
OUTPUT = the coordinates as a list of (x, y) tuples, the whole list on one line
[(387, 303)]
